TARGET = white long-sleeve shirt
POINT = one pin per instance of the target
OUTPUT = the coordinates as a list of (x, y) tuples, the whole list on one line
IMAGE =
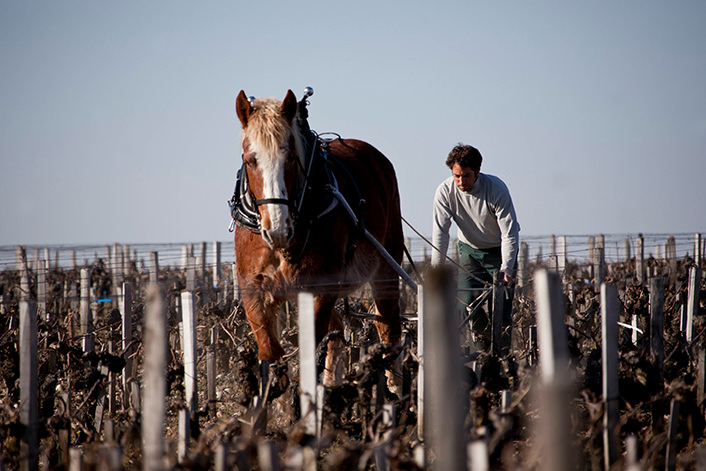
[(484, 215)]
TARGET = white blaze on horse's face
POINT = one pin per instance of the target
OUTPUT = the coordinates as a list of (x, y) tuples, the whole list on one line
[(267, 140), (276, 221)]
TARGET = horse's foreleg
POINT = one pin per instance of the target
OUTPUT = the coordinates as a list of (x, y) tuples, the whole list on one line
[(264, 323), (328, 321), (389, 325), (387, 316), (323, 308)]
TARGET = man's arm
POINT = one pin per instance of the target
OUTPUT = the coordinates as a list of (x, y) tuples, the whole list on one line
[(510, 233), (441, 223)]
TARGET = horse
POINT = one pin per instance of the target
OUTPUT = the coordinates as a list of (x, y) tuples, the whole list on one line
[(303, 205)]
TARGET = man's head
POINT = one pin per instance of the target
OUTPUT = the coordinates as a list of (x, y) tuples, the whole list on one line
[(464, 162)]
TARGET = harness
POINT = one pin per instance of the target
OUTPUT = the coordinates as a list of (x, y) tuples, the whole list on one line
[(244, 206), (318, 195)]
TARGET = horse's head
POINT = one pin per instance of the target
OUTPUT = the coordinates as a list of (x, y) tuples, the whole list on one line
[(271, 154)]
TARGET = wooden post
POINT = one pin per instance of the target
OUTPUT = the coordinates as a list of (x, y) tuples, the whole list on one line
[(42, 289), (505, 403), (154, 267), (626, 249), (640, 259), (118, 268), (110, 457), (553, 264), (443, 428), (656, 301), (211, 372), (125, 306), (184, 434), (189, 349), (522, 265), (216, 264), (478, 456), (62, 407), (47, 256), (496, 344), (550, 326), (598, 267), (155, 367), (236, 286), (671, 454), (267, 456), (632, 458), (202, 262), (591, 248), (115, 335), (100, 401), (21, 258), (600, 244), (609, 312), (671, 248), (555, 377), (307, 362), (562, 254), (698, 251), (184, 256), (135, 398), (28, 378), (86, 313), (692, 306), (76, 457), (700, 377), (221, 457), (420, 357), (190, 273)]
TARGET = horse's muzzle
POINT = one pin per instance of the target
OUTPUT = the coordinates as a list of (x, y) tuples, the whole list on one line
[(278, 239)]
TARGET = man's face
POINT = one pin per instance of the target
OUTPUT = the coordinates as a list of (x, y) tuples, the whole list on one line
[(464, 177)]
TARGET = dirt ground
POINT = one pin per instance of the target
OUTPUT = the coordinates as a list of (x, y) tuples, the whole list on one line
[(352, 426)]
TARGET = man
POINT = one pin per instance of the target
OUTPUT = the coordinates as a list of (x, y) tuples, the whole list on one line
[(488, 235)]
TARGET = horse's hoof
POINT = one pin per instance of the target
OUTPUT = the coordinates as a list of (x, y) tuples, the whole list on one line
[(394, 382), (279, 380)]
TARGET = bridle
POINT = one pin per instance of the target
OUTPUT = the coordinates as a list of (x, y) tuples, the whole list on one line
[(244, 206)]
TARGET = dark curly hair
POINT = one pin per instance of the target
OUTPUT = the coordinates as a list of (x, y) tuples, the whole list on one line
[(465, 156)]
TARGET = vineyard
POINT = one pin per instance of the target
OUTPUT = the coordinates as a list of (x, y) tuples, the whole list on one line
[(117, 360)]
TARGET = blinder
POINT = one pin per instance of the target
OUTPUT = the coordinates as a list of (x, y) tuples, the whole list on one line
[(243, 209), (244, 206)]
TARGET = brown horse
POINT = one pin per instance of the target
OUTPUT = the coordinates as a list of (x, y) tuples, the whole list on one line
[(294, 235)]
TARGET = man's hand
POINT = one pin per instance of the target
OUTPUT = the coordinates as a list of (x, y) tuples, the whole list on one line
[(509, 280)]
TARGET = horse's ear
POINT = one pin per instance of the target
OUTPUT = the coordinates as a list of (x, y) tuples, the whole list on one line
[(243, 108), (289, 106)]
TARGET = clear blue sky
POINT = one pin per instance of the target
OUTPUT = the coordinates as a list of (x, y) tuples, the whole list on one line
[(117, 119)]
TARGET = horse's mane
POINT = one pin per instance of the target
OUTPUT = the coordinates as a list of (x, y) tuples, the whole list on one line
[(267, 129)]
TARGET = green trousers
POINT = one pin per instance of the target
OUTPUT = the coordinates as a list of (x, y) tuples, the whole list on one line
[(479, 267)]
